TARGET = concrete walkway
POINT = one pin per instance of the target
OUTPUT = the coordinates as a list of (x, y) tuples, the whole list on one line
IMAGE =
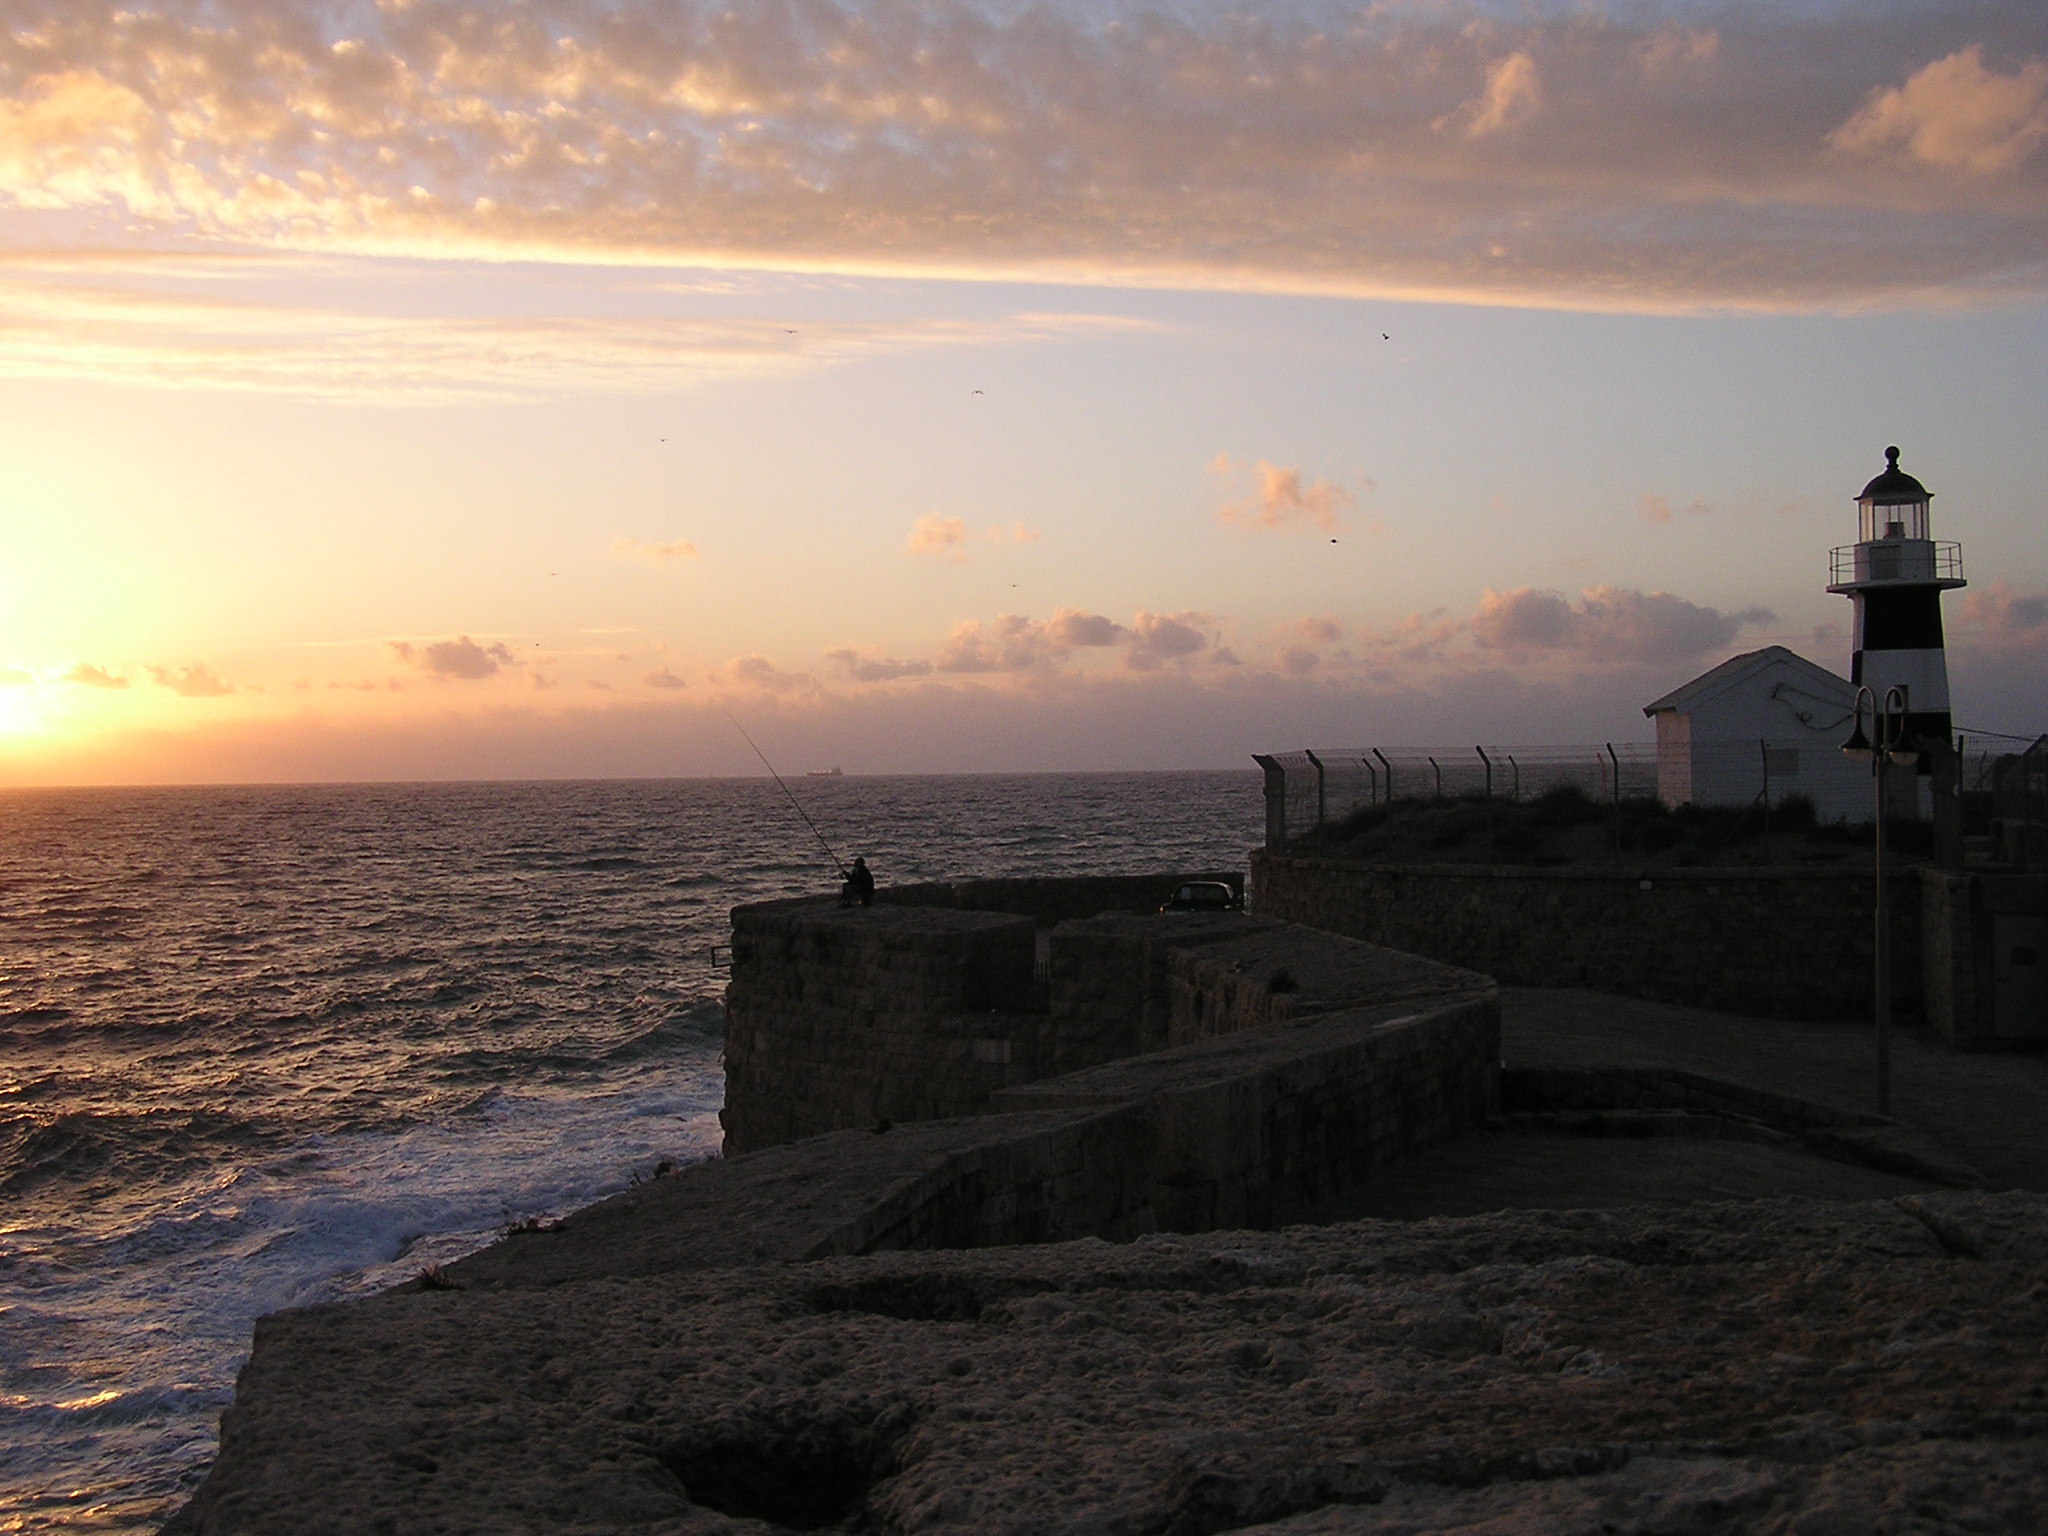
[(1988, 1108)]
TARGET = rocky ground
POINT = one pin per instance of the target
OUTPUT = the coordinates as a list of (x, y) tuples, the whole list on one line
[(1776, 1366)]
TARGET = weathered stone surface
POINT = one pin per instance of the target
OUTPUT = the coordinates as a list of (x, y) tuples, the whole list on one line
[(1790, 943), (1779, 1366)]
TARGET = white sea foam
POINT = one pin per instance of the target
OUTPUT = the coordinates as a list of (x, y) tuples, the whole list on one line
[(118, 1432)]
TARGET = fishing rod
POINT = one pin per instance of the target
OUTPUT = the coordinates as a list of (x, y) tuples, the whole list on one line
[(837, 862)]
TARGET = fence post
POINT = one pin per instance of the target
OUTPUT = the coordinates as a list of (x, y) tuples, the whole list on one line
[(1276, 799), (1376, 752), (1615, 759), (1439, 778), (1763, 748), (1515, 793), (1489, 801), (1374, 792), (1317, 763)]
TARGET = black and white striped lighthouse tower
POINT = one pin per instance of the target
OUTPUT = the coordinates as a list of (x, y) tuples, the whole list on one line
[(1895, 574)]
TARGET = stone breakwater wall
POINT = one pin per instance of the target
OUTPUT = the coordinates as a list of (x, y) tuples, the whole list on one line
[(921, 1006), (1051, 899), (841, 1018), (1772, 943), (1258, 1129)]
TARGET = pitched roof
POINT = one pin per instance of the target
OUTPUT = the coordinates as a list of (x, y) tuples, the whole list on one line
[(1715, 679)]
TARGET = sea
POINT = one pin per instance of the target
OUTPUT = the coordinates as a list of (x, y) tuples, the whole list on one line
[(276, 1046)]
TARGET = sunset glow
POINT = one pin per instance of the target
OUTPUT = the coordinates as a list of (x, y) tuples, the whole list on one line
[(425, 388)]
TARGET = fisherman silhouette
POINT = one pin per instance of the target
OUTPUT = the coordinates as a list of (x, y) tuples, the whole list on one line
[(859, 887)]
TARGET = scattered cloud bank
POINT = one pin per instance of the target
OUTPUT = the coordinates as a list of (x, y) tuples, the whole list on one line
[(461, 659), (1621, 158), (194, 682), (94, 677), (163, 321), (947, 538), (1955, 115), (653, 553), (1278, 498), (2001, 610), (1656, 510), (1614, 622)]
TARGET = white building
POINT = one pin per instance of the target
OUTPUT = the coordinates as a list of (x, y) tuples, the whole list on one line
[(1761, 727)]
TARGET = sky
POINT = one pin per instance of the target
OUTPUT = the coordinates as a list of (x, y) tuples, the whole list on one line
[(422, 389)]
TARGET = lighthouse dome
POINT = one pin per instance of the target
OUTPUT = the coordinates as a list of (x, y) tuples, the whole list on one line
[(1894, 486)]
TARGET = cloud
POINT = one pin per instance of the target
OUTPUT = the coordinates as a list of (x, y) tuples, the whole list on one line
[(2002, 610), (460, 658), (1157, 637), (661, 677), (161, 321), (1954, 115), (655, 553), (1673, 48), (1513, 97), (14, 677), (945, 537), (1013, 643), (94, 677), (1279, 498), (1605, 157), (758, 674), (195, 682), (876, 669), (1072, 627), (1616, 623), (1656, 510)]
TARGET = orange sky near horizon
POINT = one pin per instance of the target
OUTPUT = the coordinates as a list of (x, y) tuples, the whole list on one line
[(430, 389)]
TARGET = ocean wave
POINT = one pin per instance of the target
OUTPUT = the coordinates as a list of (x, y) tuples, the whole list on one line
[(146, 1146), (111, 1406)]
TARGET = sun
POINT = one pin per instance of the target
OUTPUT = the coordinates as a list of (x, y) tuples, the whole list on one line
[(23, 715)]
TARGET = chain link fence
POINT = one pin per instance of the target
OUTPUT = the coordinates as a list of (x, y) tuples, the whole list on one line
[(1321, 786), (2005, 790), (2011, 790)]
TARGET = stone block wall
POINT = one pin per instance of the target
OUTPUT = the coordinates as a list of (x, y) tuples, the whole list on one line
[(1258, 1129), (1033, 1179), (1276, 973), (920, 1007), (1774, 943), (844, 1017), (1958, 918), (1110, 978), (1053, 899)]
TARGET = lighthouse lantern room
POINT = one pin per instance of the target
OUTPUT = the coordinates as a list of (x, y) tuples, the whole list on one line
[(1895, 574)]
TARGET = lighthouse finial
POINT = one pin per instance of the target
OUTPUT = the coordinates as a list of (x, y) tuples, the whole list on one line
[(1891, 458)]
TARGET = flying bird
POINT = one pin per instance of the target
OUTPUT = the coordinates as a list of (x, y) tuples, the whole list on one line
[(1385, 337), (978, 391)]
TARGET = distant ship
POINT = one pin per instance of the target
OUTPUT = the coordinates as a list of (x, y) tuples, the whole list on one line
[(825, 773)]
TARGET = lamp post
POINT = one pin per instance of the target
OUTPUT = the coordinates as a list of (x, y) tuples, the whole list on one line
[(1887, 744)]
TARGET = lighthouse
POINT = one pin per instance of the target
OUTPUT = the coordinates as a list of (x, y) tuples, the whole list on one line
[(1895, 574)]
